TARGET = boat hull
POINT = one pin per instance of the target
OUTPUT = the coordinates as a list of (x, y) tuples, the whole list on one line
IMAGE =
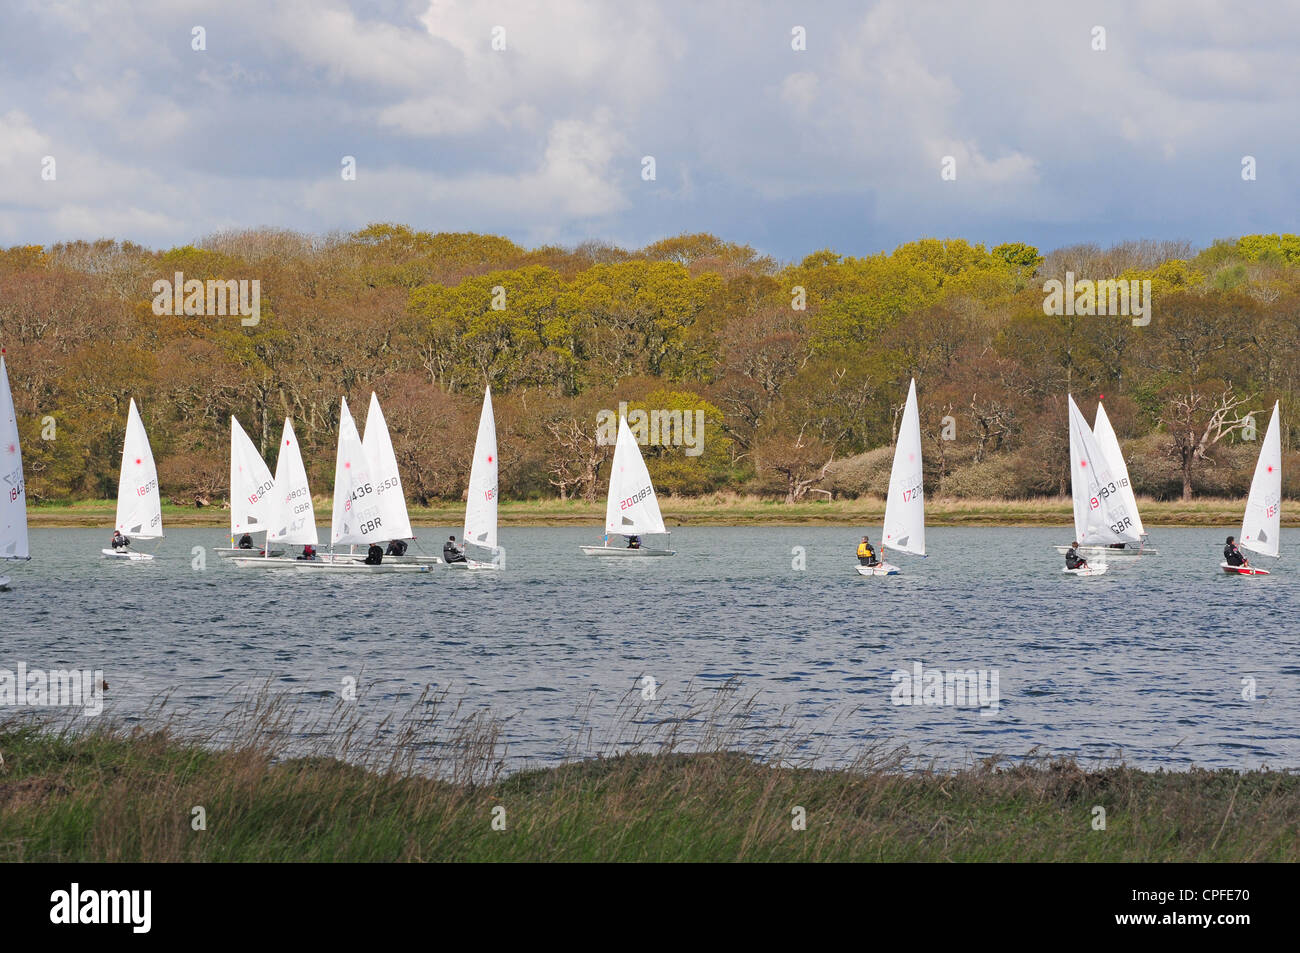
[(884, 569), (227, 552), (1105, 552), (1242, 570), (352, 566), (625, 552), (4, 582), (1097, 570), (126, 556)]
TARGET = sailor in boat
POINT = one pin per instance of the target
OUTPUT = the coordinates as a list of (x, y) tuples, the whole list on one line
[(246, 542), (120, 542), (451, 552), (634, 542), (1072, 558), (1232, 555), (396, 547), (867, 554), (374, 555), (308, 552)]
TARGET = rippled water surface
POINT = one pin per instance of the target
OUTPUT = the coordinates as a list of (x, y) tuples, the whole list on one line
[(1145, 662)]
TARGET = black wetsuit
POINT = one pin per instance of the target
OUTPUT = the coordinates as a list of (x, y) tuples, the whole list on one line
[(1073, 560), (450, 554), (245, 542), (374, 555), (1232, 555), (396, 547)]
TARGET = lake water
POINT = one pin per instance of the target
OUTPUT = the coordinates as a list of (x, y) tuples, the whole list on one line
[(1145, 663)]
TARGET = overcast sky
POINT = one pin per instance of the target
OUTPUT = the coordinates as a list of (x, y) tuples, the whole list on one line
[(838, 145)]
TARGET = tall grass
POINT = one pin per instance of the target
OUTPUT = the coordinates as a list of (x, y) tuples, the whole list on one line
[(708, 780)]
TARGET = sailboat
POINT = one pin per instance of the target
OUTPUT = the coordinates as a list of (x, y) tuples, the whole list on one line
[(139, 504), (632, 509), (290, 521), (13, 490), (480, 534), (1262, 523), (904, 529), (1102, 517), (252, 495), (1108, 443), (358, 516), (388, 483)]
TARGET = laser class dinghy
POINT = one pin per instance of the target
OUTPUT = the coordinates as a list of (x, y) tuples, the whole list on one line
[(13, 490), (1262, 523), (358, 516), (1101, 514), (290, 519), (378, 445), (904, 529), (1108, 444), (632, 510), (252, 496), (480, 534), (139, 504)]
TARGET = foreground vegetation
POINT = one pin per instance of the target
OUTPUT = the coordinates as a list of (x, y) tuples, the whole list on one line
[(715, 510), (798, 371), (118, 793)]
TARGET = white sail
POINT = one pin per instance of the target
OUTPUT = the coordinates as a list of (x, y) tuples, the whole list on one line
[(13, 490), (1110, 449), (139, 504), (632, 508), (292, 521), (357, 518), (251, 496), (1100, 514), (1263, 520), (481, 501), (905, 504), (383, 471)]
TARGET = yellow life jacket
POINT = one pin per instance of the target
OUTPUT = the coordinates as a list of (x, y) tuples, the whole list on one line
[(864, 549)]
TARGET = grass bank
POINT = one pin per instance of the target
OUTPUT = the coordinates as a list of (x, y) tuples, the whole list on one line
[(118, 793), (716, 510)]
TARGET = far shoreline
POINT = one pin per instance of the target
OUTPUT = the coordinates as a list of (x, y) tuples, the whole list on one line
[(708, 511)]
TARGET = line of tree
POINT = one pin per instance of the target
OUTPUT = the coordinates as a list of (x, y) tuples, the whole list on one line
[(800, 369)]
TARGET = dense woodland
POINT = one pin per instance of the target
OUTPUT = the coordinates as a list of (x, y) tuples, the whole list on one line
[(801, 369)]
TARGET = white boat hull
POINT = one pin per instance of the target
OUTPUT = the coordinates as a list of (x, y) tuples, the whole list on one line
[(126, 555), (1242, 570), (1097, 570), (227, 552), (624, 551), (4, 582), (883, 569), (1106, 552), (343, 565)]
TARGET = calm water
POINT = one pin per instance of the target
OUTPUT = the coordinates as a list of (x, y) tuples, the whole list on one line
[(1145, 663)]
